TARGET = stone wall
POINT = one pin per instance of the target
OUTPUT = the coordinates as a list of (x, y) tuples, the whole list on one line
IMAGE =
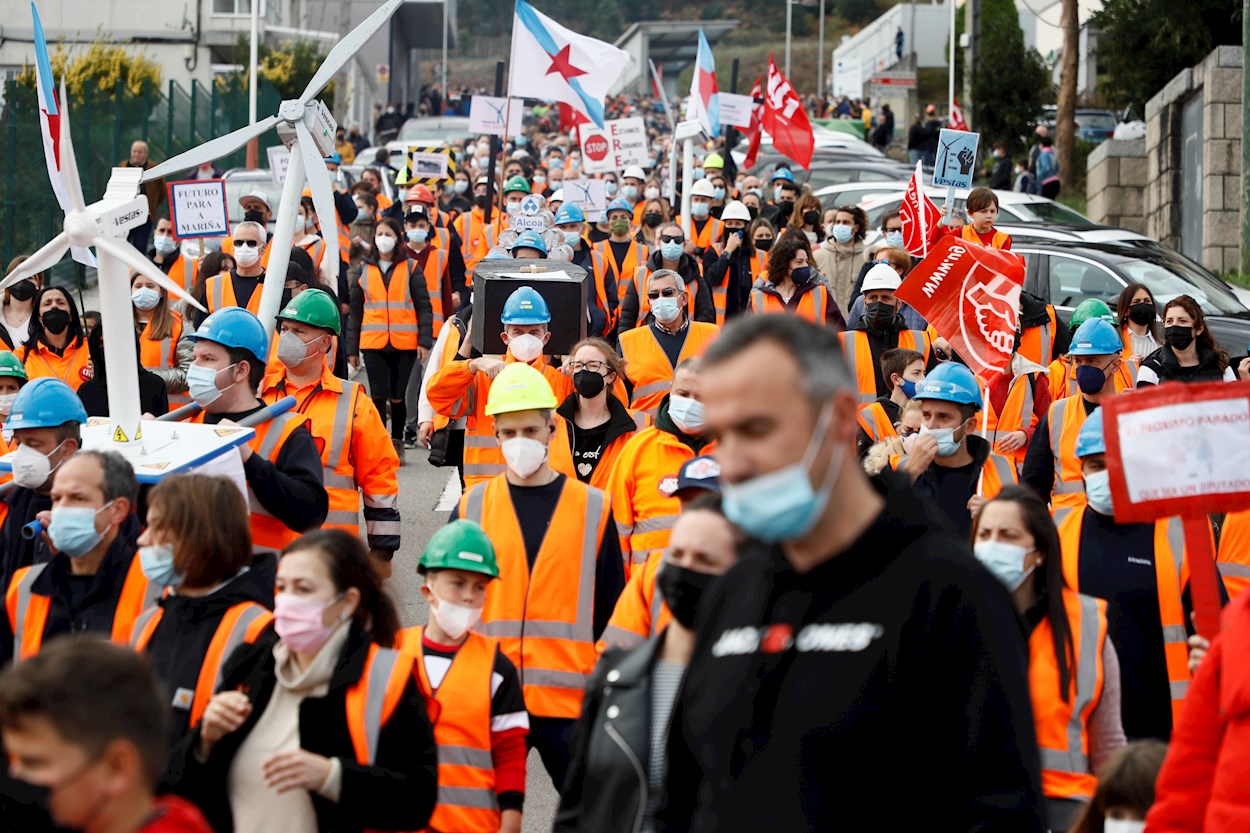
[(1116, 184)]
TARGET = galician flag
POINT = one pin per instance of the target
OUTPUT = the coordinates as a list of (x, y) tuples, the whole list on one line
[(704, 97), (50, 127), (552, 63)]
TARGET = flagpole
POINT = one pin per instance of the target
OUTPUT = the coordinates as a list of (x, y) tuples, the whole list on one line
[(789, 15), (672, 130), (985, 427), (687, 166), (950, 91)]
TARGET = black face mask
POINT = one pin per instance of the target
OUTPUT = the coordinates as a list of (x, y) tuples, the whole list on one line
[(753, 211), (1178, 337), (764, 244), (1142, 314), (652, 220), (481, 202), (588, 383), (23, 290), (811, 218), (55, 321), (735, 232), (254, 216), (682, 590), (880, 313)]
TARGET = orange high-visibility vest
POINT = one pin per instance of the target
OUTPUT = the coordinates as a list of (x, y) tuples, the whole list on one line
[(1017, 414), (998, 472), (648, 367), (813, 305), (876, 422), (858, 354), (1065, 420), (181, 275), (544, 618), (372, 699), (1062, 373), (242, 624), (1062, 726), (390, 316), (999, 240), (720, 294), (316, 249), (219, 294), (466, 771), (599, 270), (435, 271), (713, 231), (1037, 343), (607, 459), (28, 611), (471, 226), (635, 258), (1234, 556), (162, 354), (1171, 576), (640, 612), (73, 367)]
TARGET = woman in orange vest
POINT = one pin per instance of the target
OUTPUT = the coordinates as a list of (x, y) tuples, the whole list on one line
[(324, 727), (57, 346), (390, 324), (198, 545), (213, 264), (792, 287), (1074, 674), (308, 239), (598, 422), (160, 337)]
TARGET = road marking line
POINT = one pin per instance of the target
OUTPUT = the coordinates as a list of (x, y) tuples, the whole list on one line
[(450, 497)]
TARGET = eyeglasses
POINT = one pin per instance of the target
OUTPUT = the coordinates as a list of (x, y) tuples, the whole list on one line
[(666, 238), (251, 244), (671, 292), (904, 431), (597, 367), (895, 228)]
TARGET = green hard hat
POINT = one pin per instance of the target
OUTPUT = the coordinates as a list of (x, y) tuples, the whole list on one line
[(11, 365), (461, 545), (517, 183), (1090, 308), (314, 307)]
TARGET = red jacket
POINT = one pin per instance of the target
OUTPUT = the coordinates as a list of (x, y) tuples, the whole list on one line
[(1205, 781), (174, 815)]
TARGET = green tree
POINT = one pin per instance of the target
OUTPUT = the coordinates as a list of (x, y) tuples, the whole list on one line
[(288, 68), (1143, 44), (1009, 82)]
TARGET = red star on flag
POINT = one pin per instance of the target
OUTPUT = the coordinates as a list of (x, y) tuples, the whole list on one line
[(562, 63), (707, 85)]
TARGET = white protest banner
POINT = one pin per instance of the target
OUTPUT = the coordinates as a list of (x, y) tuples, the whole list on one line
[(588, 195), (487, 114), (735, 110), (279, 161), (614, 147), (198, 208)]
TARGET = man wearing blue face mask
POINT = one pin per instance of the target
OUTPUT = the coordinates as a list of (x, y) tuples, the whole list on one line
[(165, 254), (672, 255), (854, 618), (1142, 570), (93, 582)]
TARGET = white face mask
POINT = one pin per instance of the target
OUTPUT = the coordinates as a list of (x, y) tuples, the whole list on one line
[(523, 455), (686, 413), (1123, 826), (385, 244), (525, 348), (246, 256), (31, 469), (6, 403), (453, 619), (292, 349)]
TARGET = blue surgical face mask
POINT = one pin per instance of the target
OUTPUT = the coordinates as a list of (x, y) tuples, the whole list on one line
[(894, 239), (843, 234), (164, 244), (1098, 492), (686, 413), (461, 186), (157, 562), (610, 188), (719, 192), (1005, 561), (202, 384), (145, 298), (947, 444), (782, 505), (697, 174), (666, 310), (699, 209), (572, 238), (670, 251), (418, 235), (777, 193), (73, 529), (629, 192)]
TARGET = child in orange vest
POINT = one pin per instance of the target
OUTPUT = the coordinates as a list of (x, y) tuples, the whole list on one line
[(473, 691), (981, 209)]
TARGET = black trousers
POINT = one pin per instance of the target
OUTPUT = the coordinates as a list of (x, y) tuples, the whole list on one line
[(553, 738), (389, 372)]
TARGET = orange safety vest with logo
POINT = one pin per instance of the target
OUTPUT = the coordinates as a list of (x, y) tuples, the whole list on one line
[(1233, 560), (390, 316), (876, 422), (73, 367), (1065, 420), (1038, 343), (435, 272), (162, 354), (1062, 372), (219, 294), (648, 367), (28, 611), (1062, 726), (644, 303), (635, 258), (242, 624), (858, 354), (544, 617), (372, 699), (713, 230), (998, 472), (1171, 577), (640, 612), (1017, 414), (999, 241), (813, 305), (467, 800)]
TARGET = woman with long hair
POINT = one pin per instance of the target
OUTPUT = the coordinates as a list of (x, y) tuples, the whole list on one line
[(1189, 353), (1139, 322), (57, 345), (161, 348), (655, 214), (213, 264), (19, 306), (324, 727), (839, 256), (598, 422), (790, 285), (1074, 675), (806, 218)]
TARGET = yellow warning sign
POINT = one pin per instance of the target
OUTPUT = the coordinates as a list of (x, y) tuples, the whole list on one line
[(119, 436), (225, 432), (157, 466)]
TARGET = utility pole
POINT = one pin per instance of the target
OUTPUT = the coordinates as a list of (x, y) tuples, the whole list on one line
[(1065, 113), (253, 147), (950, 81), (820, 56), (789, 15)]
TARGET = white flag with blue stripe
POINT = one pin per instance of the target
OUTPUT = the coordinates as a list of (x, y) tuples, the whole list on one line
[(704, 96)]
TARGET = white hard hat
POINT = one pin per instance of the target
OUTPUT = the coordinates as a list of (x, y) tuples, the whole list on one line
[(735, 210), (634, 172), (257, 195), (882, 276), (556, 196), (703, 188)]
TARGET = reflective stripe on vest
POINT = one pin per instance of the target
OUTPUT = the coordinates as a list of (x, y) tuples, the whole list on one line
[(648, 367), (220, 294), (434, 284), (267, 531), (851, 349), (338, 471), (389, 316), (876, 423), (372, 699), (1066, 418)]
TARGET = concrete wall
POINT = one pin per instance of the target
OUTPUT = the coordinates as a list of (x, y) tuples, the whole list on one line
[(1217, 180), (1116, 184)]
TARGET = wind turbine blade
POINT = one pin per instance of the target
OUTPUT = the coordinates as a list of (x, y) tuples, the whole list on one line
[(127, 254), (346, 48), (322, 193), (69, 163), (210, 150), (45, 258)]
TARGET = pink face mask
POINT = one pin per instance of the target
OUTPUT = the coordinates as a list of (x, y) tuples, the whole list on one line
[(300, 623)]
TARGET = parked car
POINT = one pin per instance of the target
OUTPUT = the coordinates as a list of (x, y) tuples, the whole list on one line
[(1065, 273), (435, 131), (827, 142), (1092, 124), (1014, 207), (1045, 232), (856, 193)]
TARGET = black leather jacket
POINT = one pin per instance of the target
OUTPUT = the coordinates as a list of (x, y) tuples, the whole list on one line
[(606, 789)]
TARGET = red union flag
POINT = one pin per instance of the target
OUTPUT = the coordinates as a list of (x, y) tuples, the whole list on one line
[(956, 121), (920, 217), (786, 120), (971, 295), (757, 119)]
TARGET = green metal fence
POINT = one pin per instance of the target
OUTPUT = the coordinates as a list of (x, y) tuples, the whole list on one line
[(104, 125)]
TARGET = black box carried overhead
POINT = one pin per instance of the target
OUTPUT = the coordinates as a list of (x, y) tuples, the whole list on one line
[(563, 285)]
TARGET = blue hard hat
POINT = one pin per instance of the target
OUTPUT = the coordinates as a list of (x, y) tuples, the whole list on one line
[(1090, 440), (569, 213), (530, 240), (335, 157), (235, 327), (783, 173), (950, 382), (1096, 338), (45, 403), (619, 204), (525, 306)]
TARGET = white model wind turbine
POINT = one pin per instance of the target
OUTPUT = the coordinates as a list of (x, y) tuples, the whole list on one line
[(304, 122)]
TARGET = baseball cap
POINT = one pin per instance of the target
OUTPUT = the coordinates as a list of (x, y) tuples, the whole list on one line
[(257, 195), (696, 474)]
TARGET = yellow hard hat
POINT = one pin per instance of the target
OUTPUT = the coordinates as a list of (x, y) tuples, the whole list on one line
[(519, 387), (713, 160)]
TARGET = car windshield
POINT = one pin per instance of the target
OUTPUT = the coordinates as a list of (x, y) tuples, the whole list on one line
[(1170, 276), (237, 186), (1099, 121), (1047, 212), (433, 130)]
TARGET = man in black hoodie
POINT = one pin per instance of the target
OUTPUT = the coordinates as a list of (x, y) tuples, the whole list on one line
[(860, 660)]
